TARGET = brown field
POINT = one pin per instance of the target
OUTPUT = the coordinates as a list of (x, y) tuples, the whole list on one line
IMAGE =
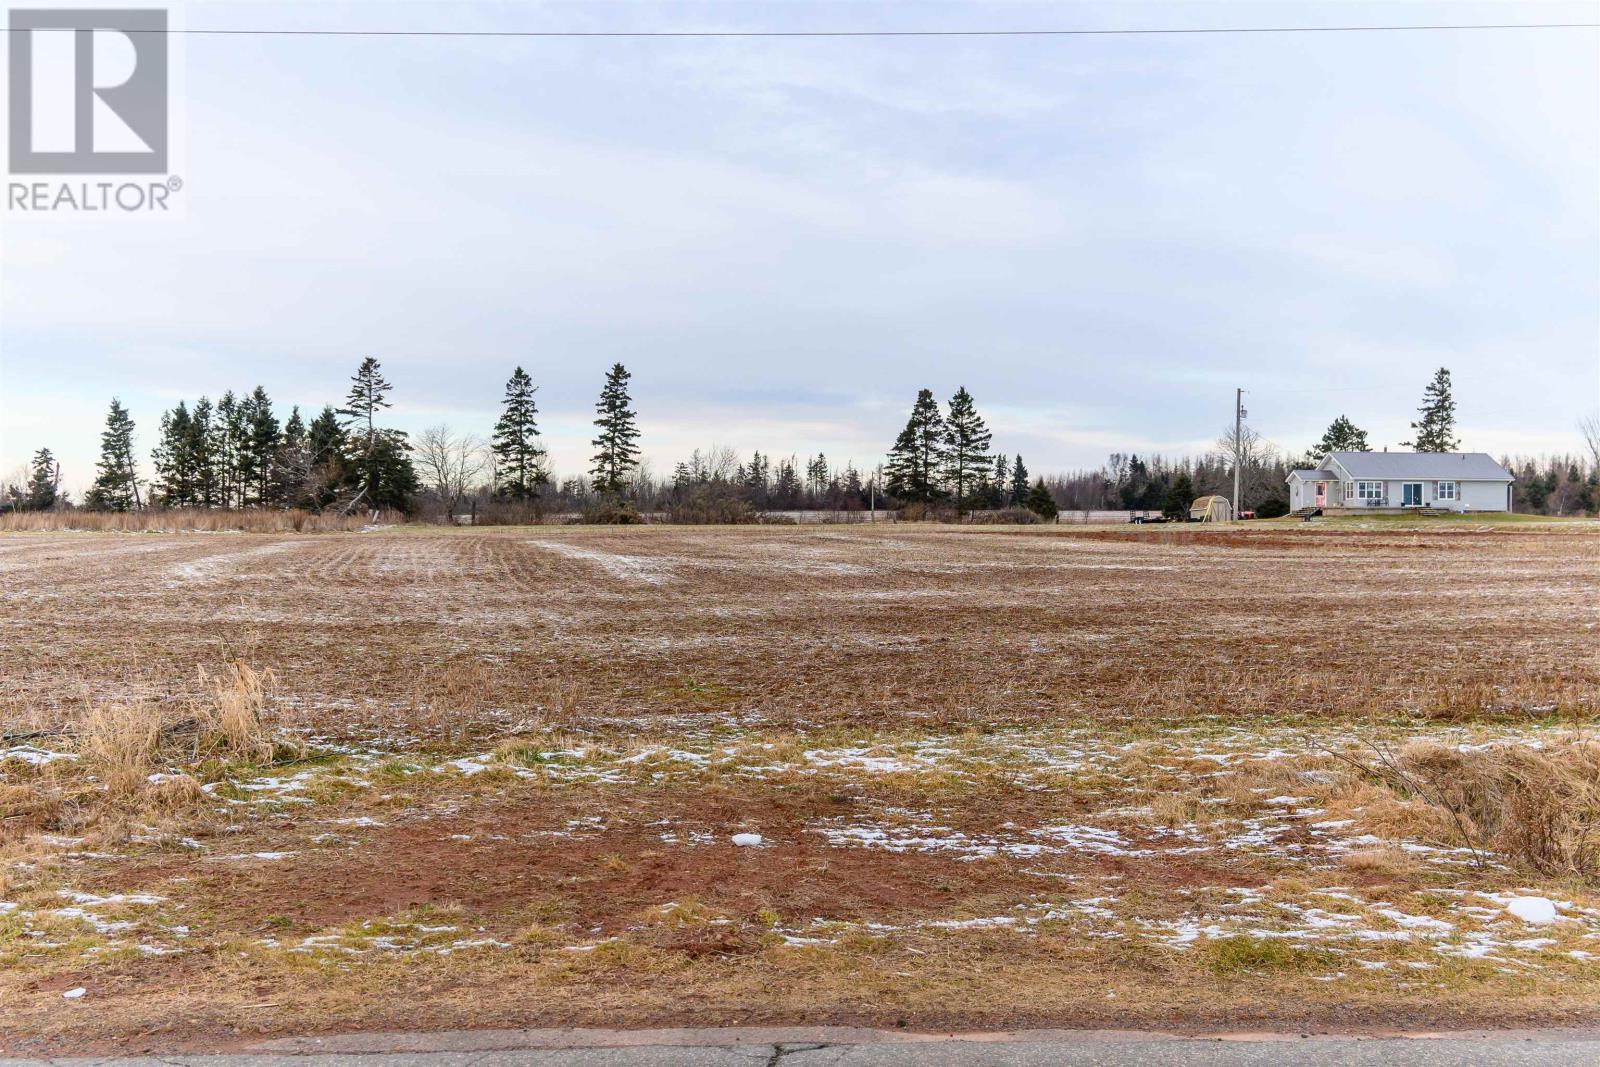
[(1283, 775)]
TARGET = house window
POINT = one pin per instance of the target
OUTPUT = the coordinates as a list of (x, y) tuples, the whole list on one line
[(1369, 490), (1349, 490), (1447, 490)]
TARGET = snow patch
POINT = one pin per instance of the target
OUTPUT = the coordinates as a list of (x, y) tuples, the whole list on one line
[(1535, 910)]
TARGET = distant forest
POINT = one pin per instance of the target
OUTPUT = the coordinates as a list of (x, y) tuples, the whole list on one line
[(237, 453)]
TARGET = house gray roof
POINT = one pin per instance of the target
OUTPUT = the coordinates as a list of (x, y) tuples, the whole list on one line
[(1458, 466), (1314, 476)]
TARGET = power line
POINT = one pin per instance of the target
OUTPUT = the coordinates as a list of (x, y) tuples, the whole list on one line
[(1168, 31)]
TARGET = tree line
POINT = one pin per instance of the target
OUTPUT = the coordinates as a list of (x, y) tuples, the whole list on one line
[(236, 453)]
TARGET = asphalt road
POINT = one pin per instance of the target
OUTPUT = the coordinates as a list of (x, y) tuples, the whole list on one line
[(852, 1048)]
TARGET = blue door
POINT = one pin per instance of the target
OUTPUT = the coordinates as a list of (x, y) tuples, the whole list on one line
[(1411, 494)]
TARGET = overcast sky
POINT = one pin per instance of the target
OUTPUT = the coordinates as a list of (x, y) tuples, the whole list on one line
[(784, 239)]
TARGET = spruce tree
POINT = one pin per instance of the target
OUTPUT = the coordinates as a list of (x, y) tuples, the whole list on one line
[(1435, 430), (244, 451), (1180, 494), (375, 450), (1019, 483), (325, 468), (817, 474), (516, 441), (756, 478), (262, 435), (174, 460), (853, 488), (201, 439), (616, 454), (966, 455), (227, 438), (1342, 436), (786, 487), (290, 464), (44, 481), (1040, 502), (394, 476), (116, 485), (912, 472)]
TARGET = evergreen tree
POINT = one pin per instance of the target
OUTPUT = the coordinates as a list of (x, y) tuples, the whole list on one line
[(1040, 502), (290, 464), (912, 473), (516, 445), (966, 455), (817, 474), (1435, 430), (325, 469), (1342, 436), (227, 438), (262, 437), (201, 439), (616, 454), (325, 437), (394, 476), (244, 451), (1019, 483), (853, 488), (756, 479), (1180, 494), (378, 452), (116, 485), (174, 460), (786, 487), (1000, 482), (44, 481)]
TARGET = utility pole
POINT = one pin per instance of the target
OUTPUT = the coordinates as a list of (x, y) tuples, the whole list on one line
[(1238, 445)]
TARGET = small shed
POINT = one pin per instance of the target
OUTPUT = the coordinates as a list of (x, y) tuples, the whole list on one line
[(1211, 509)]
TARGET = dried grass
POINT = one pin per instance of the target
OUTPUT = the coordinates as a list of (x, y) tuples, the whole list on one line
[(1536, 806), (134, 760), (155, 520), (1539, 806), (234, 721), (1392, 863), (118, 746)]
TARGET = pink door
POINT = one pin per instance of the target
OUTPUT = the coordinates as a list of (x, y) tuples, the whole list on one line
[(1322, 494)]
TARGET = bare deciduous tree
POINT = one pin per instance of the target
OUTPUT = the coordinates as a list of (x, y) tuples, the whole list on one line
[(1256, 459), (1589, 426), (450, 464)]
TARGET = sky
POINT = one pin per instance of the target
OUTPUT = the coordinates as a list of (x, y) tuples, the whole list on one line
[(784, 239)]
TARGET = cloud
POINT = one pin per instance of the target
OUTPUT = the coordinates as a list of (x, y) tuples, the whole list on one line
[(1100, 237)]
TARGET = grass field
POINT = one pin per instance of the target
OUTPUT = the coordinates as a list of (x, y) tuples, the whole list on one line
[(935, 777)]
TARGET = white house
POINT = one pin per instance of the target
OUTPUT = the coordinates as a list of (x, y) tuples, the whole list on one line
[(1397, 481)]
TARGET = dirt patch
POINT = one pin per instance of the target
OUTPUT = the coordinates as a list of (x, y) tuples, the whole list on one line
[(504, 860)]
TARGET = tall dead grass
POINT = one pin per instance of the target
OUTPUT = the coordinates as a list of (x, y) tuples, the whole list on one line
[(1537, 806), (202, 520), (138, 763), (234, 721), (118, 745)]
